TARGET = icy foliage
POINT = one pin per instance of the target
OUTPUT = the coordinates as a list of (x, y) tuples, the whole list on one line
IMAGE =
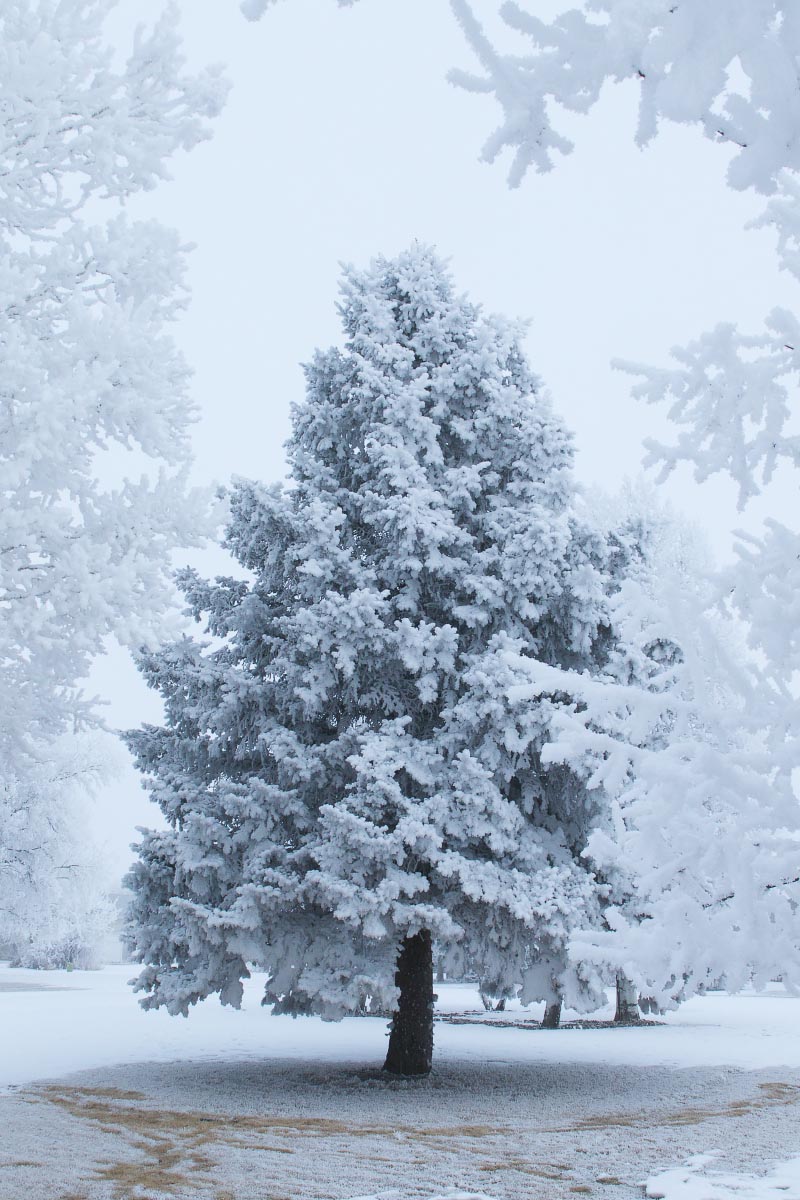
[(341, 766), (732, 395), (735, 79), (91, 382), (53, 904), (88, 361)]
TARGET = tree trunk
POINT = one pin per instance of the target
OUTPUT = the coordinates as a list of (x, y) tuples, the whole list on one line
[(552, 1015), (411, 1038), (627, 1001)]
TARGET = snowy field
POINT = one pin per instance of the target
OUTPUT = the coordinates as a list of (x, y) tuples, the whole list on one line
[(101, 1100)]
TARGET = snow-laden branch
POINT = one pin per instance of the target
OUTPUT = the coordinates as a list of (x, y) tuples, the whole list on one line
[(88, 361), (735, 79), (88, 368), (71, 126), (733, 397)]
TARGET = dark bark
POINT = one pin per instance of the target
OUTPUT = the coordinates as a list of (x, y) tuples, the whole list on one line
[(552, 1015), (497, 1006), (627, 1002), (411, 1038)]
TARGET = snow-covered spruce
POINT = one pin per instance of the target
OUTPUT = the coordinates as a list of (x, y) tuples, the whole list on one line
[(344, 777), (87, 366)]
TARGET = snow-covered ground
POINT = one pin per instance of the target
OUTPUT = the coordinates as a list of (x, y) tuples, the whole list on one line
[(699, 1180), (102, 1100), (61, 1021)]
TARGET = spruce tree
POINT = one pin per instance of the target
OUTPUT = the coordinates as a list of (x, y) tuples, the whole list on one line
[(345, 780)]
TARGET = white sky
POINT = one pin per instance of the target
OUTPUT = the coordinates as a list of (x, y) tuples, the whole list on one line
[(341, 140)]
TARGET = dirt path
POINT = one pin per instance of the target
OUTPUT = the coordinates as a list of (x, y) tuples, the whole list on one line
[(247, 1131)]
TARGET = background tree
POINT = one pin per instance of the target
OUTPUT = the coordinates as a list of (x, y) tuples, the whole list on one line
[(700, 855), (55, 906), (342, 771), (89, 373)]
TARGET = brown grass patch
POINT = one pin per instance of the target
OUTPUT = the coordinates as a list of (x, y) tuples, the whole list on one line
[(526, 1168), (173, 1150), (772, 1095), (107, 1093)]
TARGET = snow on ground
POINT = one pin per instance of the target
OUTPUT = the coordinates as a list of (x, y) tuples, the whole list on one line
[(103, 1101), (94, 1020), (693, 1182)]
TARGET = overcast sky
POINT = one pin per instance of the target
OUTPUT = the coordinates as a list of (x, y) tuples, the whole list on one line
[(342, 139)]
